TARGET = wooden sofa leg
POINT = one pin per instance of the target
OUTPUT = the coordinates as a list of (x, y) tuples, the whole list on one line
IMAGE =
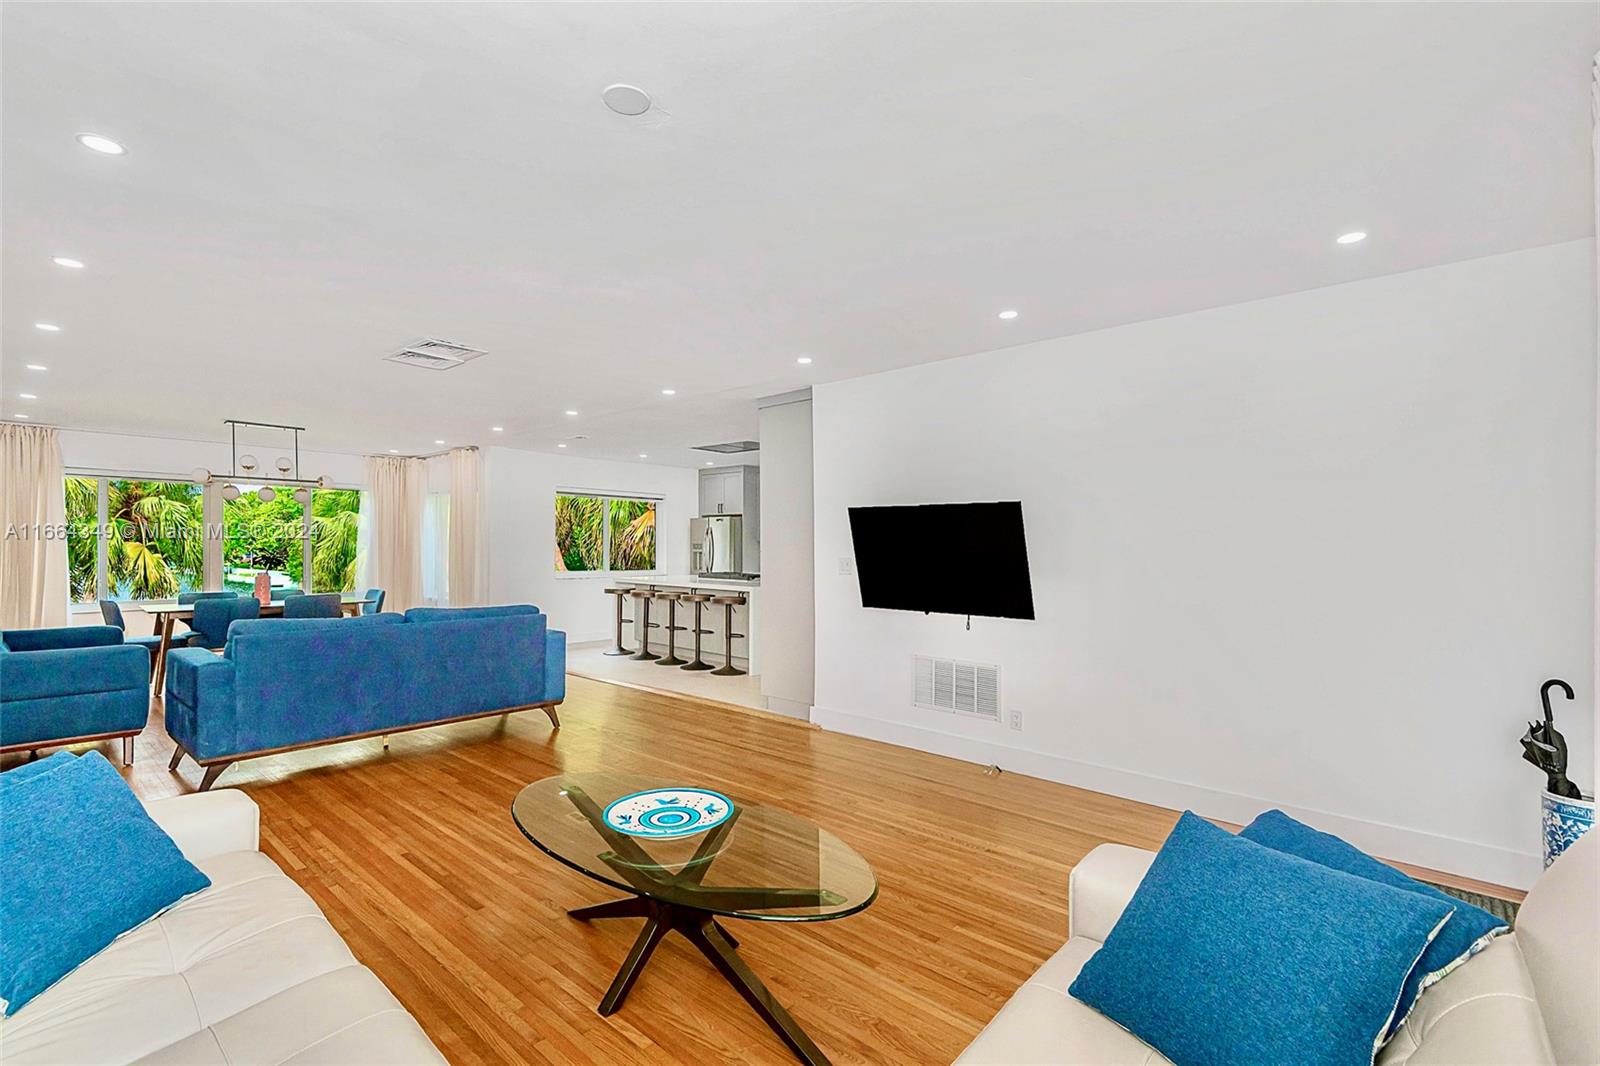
[(550, 709), (127, 751), (177, 757), (386, 742), (213, 772)]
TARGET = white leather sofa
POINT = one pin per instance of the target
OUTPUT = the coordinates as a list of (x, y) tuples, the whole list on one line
[(247, 971), (1531, 997)]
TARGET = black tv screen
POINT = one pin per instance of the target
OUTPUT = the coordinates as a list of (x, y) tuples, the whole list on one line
[(944, 558)]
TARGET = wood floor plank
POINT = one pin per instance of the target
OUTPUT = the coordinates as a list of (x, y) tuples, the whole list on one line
[(413, 855)]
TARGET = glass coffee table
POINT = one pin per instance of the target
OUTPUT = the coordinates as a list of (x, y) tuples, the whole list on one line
[(690, 856)]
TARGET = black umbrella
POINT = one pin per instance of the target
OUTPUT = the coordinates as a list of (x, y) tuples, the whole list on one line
[(1546, 748)]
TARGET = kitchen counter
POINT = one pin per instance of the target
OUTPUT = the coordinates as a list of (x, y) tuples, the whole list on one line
[(689, 581)]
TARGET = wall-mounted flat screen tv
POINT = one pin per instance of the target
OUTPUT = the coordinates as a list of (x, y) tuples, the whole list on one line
[(944, 558)]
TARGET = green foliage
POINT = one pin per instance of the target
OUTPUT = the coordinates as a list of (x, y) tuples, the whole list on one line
[(580, 533), (154, 543), (262, 535), (633, 535), (335, 515)]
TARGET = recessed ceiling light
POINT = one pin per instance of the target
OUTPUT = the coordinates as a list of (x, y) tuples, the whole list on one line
[(561, 444), (642, 455), (626, 99), (69, 263), (104, 145), (804, 360), (1353, 237), (669, 392), (1008, 315), (711, 462), (438, 442), (572, 414), (47, 327), (394, 451), (498, 429), (27, 396), (36, 366), (19, 415)]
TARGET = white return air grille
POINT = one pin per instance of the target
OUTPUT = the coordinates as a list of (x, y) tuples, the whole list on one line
[(951, 685), (431, 354)]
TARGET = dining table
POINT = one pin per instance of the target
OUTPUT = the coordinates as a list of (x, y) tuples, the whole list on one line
[(167, 613)]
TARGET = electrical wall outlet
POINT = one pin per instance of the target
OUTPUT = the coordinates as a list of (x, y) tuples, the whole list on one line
[(1016, 720), (846, 566)]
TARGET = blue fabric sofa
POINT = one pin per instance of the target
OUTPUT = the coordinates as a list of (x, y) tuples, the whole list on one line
[(75, 683), (284, 684)]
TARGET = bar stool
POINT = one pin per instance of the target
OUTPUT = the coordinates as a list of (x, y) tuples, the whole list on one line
[(728, 603), (644, 596), (699, 599), (618, 648), (673, 629)]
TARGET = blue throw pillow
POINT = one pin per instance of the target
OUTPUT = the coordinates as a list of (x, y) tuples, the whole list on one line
[(1469, 930), (1232, 954), (83, 863)]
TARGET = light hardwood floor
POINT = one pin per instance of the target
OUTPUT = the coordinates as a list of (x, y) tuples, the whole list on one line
[(412, 854)]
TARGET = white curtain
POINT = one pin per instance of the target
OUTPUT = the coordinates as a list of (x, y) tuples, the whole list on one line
[(466, 529), (436, 549), (1594, 100), (33, 517), (394, 558)]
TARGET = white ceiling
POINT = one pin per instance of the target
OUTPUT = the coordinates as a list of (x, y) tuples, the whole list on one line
[(310, 186)]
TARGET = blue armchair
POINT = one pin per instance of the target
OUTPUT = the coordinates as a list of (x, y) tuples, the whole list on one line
[(298, 683), (322, 605), (111, 611), (66, 685), (376, 606), (212, 617)]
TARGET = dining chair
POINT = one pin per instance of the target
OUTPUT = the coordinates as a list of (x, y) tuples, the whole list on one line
[(111, 611), (322, 605), (192, 598), (213, 616), (289, 594), (376, 596)]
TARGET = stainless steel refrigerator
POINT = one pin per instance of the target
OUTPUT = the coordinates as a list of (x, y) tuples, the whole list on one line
[(716, 544)]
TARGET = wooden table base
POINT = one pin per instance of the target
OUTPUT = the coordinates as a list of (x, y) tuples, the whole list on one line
[(702, 930)]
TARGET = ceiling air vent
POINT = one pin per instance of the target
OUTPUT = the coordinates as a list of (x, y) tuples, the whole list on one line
[(435, 355), (951, 685), (732, 447)]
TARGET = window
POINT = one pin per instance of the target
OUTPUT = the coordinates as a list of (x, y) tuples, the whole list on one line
[(633, 535), (150, 546), (335, 533), (604, 533), (83, 538), (263, 536)]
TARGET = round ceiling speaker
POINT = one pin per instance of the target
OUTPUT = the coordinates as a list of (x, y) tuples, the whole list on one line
[(284, 464), (302, 495), (626, 99), (200, 475), (247, 462), (230, 492)]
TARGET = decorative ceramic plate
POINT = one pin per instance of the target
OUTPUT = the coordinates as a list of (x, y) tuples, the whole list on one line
[(668, 812)]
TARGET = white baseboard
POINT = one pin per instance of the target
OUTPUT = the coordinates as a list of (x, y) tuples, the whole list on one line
[(1467, 858)]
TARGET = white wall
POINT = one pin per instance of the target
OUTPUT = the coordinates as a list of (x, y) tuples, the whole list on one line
[(519, 508), (788, 616), (1317, 551)]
